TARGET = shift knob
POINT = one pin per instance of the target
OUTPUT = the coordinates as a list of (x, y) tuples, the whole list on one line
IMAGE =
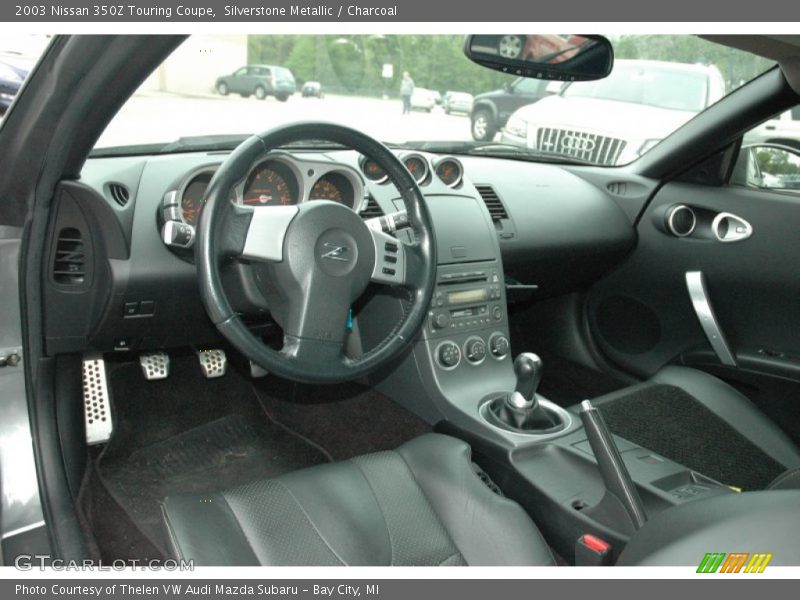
[(529, 369)]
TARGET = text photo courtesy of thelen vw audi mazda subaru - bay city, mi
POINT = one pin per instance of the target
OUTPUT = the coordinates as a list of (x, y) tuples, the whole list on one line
[(403, 299)]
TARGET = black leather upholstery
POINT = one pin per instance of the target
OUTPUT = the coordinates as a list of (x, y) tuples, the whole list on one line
[(421, 504)]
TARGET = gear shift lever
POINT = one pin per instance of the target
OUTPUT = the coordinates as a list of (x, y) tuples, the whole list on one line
[(520, 409), (528, 368)]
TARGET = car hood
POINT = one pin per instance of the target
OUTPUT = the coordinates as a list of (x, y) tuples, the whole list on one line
[(626, 120)]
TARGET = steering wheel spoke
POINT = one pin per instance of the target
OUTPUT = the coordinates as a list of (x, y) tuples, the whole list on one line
[(263, 239)]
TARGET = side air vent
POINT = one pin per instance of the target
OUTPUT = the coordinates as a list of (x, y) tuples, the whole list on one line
[(69, 262), (119, 193), (493, 202), (371, 210), (618, 188)]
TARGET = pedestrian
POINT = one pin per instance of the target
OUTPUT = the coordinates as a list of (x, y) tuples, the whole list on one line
[(406, 89)]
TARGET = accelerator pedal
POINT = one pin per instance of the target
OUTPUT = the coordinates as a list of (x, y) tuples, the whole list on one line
[(155, 365), (96, 400), (213, 362)]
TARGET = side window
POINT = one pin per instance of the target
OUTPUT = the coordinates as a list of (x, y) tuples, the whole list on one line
[(241, 72), (770, 156)]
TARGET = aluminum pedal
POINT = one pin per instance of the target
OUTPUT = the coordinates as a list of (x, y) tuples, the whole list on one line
[(96, 400), (155, 365), (213, 362)]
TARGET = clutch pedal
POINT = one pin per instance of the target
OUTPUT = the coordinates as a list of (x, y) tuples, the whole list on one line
[(213, 362), (96, 400), (155, 365)]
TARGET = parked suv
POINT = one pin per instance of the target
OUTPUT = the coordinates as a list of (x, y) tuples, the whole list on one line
[(614, 120), (491, 110), (260, 81)]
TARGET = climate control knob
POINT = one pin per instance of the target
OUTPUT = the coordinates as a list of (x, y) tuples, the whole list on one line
[(475, 350), (448, 355), (499, 345)]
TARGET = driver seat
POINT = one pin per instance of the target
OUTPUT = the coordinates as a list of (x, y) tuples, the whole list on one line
[(421, 504)]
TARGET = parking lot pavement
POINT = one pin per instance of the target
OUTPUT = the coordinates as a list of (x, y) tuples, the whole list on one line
[(161, 117)]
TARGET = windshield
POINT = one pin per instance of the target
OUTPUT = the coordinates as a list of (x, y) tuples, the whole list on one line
[(680, 88), (420, 91)]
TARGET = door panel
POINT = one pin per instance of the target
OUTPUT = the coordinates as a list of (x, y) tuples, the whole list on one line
[(641, 315)]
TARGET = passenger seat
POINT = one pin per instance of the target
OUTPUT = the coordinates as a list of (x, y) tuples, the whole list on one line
[(701, 422)]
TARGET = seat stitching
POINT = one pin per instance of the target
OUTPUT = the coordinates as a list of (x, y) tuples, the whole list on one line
[(241, 529), (431, 504), (380, 509), (310, 522)]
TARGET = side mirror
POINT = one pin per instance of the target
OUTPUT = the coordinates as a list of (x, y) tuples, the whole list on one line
[(543, 56), (508, 87), (768, 166)]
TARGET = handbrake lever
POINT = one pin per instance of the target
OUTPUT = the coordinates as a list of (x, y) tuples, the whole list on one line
[(615, 474)]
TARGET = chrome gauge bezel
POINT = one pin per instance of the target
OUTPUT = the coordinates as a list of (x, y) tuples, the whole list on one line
[(458, 164)]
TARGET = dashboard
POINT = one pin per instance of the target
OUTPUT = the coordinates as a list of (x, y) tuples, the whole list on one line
[(542, 225), (283, 179)]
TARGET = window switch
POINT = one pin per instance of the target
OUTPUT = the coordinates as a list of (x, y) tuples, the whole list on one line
[(147, 307), (131, 309)]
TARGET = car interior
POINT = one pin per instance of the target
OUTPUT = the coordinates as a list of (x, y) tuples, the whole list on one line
[(421, 357)]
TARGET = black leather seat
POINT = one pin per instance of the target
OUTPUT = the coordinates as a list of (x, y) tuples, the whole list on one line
[(421, 504), (702, 422)]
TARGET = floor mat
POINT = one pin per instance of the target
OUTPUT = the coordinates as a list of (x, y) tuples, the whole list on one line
[(346, 420), (187, 434), (670, 422), (567, 383)]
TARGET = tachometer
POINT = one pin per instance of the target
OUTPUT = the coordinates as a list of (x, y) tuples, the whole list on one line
[(324, 189), (270, 184), (193, 198), (449, 170), (335, 187)]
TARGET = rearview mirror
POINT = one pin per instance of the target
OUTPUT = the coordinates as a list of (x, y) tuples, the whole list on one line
[(543, 56)]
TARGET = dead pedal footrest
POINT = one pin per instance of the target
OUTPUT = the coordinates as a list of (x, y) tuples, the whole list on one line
[(96, 400)]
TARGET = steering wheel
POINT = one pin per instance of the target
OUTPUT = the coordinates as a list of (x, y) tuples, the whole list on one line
[(312, 261)]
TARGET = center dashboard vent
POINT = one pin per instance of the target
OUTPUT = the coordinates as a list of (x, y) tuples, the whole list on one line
[(119, 193), (492, 202), (69, 263), (371, 210)]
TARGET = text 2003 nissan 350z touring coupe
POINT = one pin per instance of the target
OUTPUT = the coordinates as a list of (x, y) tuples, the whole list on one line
[(355, 335)]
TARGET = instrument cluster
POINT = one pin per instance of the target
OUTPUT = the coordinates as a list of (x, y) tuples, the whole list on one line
[(279, 180)]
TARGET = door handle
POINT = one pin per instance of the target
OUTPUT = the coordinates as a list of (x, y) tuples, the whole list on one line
[(728, 228), (698, 294)]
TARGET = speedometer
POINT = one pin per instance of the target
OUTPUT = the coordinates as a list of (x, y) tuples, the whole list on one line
[(193, 198), (270, 184)]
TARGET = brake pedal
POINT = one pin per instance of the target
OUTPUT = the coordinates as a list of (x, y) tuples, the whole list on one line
[(155, 365), (96, 400), (213, 362)]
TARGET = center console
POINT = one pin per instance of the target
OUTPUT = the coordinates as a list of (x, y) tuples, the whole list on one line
[(462, 377)]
